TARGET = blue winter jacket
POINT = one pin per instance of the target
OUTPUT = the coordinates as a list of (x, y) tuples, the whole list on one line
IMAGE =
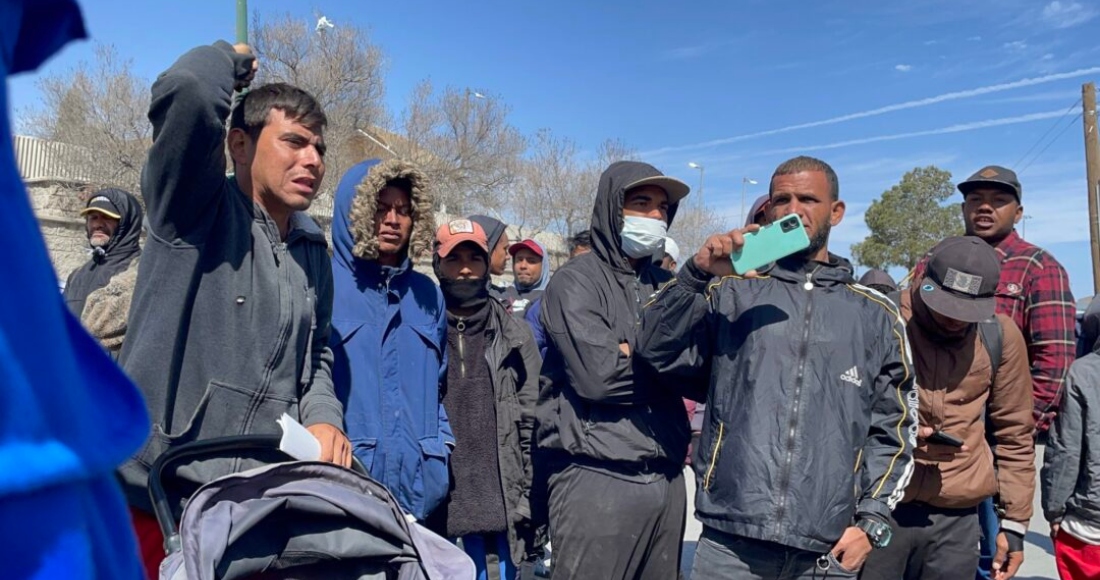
[(389, 334)]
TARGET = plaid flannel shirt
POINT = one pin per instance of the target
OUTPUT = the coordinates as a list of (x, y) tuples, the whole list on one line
[(1034, 292)]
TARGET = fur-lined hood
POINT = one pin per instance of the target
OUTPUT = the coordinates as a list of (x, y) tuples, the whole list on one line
[(357, 198)]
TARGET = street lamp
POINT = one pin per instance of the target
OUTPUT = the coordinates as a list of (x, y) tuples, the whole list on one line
[(1023, 224), (695, 165), (377, 142), (744, 182)]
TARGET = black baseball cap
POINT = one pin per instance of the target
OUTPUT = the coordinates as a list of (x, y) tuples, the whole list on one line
[(102, 204), (961, 279), (996, 177), (646, 174)]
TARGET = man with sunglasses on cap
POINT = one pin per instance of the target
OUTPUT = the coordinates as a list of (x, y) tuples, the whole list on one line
[(99, 292), (963, 391)]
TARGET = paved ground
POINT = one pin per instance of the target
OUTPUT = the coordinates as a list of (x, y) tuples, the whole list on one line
[(1038, 554)]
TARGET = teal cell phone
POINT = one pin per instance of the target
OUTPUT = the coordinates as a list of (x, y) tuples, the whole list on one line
[(776, 240)]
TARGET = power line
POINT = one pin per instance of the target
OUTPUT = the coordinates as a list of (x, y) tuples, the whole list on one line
[(1060, 133), (1049, 129)]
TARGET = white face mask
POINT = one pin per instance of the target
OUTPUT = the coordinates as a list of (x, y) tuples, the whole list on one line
[(643, 237)]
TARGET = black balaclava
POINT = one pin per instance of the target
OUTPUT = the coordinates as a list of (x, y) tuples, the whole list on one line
[(472, 293)]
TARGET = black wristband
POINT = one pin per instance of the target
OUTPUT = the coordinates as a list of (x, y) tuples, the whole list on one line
[(1015, 540)]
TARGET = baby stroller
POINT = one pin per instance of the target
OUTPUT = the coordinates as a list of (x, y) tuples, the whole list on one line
[(299, 520)]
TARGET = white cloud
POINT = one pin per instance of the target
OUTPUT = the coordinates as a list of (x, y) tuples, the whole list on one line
[(903, 67), (1066, 14), (1048, 56), (931, 42), (974, 39), (1066, 96), (1015, 45), (694, 51), (960, 128), (686, 52), (881, 110)]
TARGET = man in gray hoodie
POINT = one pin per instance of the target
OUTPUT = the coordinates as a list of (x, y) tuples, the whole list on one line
[(230, 318), (1070, 479)]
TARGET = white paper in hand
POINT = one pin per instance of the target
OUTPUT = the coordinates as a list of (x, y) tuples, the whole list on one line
[(297, 441)]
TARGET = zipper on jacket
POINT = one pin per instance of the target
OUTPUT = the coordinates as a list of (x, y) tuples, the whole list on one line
[(636, 286), (461, 328), (286, 317), (708, 478), (800, 379)]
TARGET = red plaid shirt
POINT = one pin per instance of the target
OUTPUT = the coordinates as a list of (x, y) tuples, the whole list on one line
[(1034, 292)]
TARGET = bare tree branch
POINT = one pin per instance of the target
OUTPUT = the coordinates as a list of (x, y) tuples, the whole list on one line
[(463, 140), (342, 69), (97, 113)]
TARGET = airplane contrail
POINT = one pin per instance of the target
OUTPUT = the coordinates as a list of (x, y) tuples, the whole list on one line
[(883, 110), (941, 131)]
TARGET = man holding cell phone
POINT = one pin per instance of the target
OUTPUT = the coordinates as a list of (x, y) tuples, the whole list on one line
[(811, 411), (962, 389)]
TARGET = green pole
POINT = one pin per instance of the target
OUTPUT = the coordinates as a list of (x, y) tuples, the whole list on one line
[(242, 21)]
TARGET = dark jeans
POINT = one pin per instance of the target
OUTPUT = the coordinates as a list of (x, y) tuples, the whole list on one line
[(929, 543), (609, 528), (724, 556), (991, 526)]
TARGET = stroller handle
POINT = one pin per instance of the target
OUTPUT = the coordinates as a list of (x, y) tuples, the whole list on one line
[(162, 509), (194, 450)]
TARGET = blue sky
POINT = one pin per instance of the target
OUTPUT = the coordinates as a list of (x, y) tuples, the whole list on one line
[(874, 88)]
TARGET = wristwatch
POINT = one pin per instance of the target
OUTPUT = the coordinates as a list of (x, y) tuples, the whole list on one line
[(878, 532)]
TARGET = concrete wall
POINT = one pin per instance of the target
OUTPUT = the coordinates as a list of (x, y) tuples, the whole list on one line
[(57, 204)]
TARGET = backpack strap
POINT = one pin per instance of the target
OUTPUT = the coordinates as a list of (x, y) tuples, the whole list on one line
[(992, 336)]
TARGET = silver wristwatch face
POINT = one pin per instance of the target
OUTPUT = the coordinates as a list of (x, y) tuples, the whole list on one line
[(878, 533)]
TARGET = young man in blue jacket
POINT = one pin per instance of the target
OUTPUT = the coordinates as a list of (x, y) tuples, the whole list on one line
[(390, 332)]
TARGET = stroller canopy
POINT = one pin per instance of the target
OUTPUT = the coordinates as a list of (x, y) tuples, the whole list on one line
[(305, 520)]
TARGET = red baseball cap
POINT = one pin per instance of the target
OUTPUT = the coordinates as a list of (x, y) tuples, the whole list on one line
[(528, 244), (451, 234)]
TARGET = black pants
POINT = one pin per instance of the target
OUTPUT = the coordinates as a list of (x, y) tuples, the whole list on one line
[(722, 556), (929, 543), (608, 528)]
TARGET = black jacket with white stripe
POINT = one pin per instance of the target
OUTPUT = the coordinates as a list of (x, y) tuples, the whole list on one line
[(811, 411)]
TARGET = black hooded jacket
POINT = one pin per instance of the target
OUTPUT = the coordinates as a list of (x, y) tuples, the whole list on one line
[(494, 230), (597, 406), (112, 259)]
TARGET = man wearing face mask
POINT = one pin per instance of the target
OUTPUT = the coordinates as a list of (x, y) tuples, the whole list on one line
[(611, 439), (492, 383)]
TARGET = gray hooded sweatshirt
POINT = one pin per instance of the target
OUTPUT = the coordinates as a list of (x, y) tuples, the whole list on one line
[(229, 324), (1070, 479)]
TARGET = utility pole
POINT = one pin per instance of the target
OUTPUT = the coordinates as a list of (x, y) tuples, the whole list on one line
[(1092, 172), (242, 21)]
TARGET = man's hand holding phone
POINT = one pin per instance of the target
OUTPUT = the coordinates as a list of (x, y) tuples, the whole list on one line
[(938, 445), (714, 256)]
